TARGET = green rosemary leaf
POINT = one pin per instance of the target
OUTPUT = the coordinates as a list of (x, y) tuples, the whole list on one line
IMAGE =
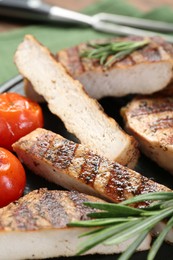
[(92, 232), (116, 223), (108, 53), (147, 223), (103, 59), (149, 196), (121, 45), (117, 209), (133, 246), (149, 213), (103, 235), (167, 204), (154, 206), (103, 214), (158, 242), (120, 55), (100, 222), (107, 214)]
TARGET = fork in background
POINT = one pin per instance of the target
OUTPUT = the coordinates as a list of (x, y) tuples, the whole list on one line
[(110, 23)]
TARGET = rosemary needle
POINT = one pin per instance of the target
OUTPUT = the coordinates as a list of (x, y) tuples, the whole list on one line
[(116, 223), (109, 53), (132, 248)]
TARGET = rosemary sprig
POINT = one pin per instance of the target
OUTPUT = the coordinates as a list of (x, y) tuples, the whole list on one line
[(109, 53), (116, 223)]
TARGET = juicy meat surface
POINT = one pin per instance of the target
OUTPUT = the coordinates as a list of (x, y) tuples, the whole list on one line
[(35, 226), (150, 120), (144, 71), (66, 98), (75, 167)]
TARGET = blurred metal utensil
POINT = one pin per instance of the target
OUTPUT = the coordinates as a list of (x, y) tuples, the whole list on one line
[(37, 10)]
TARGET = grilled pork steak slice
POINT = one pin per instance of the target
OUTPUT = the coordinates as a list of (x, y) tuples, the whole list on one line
[(144, 71), (66, 98), (150, 120), (35, 227), (75, 167)]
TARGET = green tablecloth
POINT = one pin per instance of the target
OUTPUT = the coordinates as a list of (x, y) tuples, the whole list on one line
[(57, 37)]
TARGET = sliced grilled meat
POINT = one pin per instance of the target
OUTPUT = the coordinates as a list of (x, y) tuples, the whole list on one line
[(75, 167), (150, 120), (144, 71), (66, 98), (35, 227)]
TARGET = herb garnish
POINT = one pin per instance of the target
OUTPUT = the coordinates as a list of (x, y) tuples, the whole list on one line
[(109, 53), (116, 223)]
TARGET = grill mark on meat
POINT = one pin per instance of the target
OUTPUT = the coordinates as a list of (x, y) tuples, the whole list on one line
[(155, 51), (53, 210), (113, 181), (61, 153), (24, 218), (42, 144), (90, 168), (151, 53), (78, 200), (45, 209), (150, 119), (74, 61), (162, 123), (118, 183), (88, 64), (157, 106), (124, 62), (127, 61), (144, 187)]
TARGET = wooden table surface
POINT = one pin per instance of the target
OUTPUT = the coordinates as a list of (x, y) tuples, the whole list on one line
[(145, 5)]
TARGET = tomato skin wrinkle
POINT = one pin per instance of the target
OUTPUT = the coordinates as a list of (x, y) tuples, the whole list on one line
[(12, 177), (18, 117)]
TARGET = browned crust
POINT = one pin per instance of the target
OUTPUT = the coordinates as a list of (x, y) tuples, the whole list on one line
[(151, 105), (157, 50), (158, 107), (150, 120), (45, 209), (111, 180)]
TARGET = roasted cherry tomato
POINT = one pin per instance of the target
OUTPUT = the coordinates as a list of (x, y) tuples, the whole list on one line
[(18, 117), (12, 177)]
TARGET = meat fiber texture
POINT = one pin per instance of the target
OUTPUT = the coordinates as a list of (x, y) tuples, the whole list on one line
[(35, 227), (66, 98), (150, 120)]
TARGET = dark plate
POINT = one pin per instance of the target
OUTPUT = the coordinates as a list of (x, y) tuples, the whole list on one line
[(145, 166)]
